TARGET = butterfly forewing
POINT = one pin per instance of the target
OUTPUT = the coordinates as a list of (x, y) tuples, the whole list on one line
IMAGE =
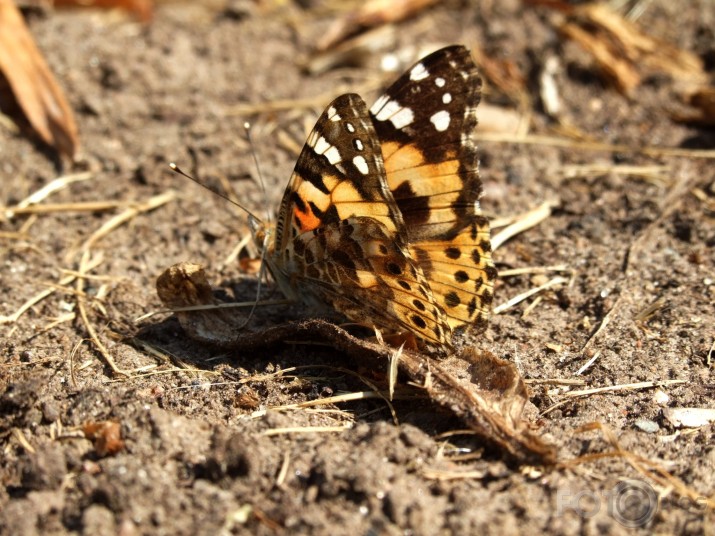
[(340, 239)]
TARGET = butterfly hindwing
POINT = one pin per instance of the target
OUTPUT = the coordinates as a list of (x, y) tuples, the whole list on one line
[(424, 122)]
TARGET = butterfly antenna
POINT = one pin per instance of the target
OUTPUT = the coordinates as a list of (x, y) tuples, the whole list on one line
[(261, 276), (261, 182), (180, 171)]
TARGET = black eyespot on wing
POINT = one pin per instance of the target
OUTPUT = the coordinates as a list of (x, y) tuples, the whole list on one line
[(419, 321), (451, 299), (404, 284), (419, 305), (394, 268), (461, 276), (452, 253), (476, 257)]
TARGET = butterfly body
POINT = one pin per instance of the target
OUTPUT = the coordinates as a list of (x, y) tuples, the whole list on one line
[(380, 220)]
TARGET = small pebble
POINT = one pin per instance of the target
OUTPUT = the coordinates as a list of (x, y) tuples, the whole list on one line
[(647, 426)]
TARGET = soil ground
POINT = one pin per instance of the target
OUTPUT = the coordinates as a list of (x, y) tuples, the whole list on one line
[(197, 457)]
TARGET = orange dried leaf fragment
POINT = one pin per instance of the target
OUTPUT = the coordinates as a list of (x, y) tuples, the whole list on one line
[(142, 9), (106, 436), (33, 86)]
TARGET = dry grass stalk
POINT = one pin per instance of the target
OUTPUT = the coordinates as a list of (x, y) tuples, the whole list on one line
[(611, 388), (283, 473), (20, 437), (658, 175), (551, 141), (525, 221), (555, 381), (60, 183), (606, 320), (526, 270), (87, 206), (443, 476), (558, 280), (307, 430), (588, 363), (392, 373), (130, 213), (85, 263)]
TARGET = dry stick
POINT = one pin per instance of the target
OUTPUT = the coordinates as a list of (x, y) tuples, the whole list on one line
[(599, 390), (594, 146), (65, 281), (526, 221)]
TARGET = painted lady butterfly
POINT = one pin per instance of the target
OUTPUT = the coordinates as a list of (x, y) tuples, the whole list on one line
[(381, 220)]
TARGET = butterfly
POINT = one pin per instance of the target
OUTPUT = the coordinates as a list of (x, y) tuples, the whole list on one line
[(380, 220)]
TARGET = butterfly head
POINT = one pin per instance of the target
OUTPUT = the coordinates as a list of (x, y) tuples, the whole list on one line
[(260, 232)]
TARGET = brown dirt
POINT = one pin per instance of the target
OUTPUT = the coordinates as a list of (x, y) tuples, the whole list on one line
[(196, 460)]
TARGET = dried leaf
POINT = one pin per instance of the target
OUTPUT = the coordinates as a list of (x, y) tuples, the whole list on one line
[(703, 100), (491, 404), (142, 9), (32, 83), (625, 53), (106, 435), (371, 14)]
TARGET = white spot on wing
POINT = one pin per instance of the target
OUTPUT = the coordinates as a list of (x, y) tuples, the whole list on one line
[(379, 103), (361, 164), (446, 98), (334, 155), (399, 116), (387, 109), (439, 81), (440, 120), (402, 118), (333, 114), (331, 153), (350, 127), (418, 72), (358, 145)]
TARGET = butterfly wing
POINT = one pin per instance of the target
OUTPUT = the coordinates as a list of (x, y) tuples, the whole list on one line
[(340, 239), (424, 122)]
